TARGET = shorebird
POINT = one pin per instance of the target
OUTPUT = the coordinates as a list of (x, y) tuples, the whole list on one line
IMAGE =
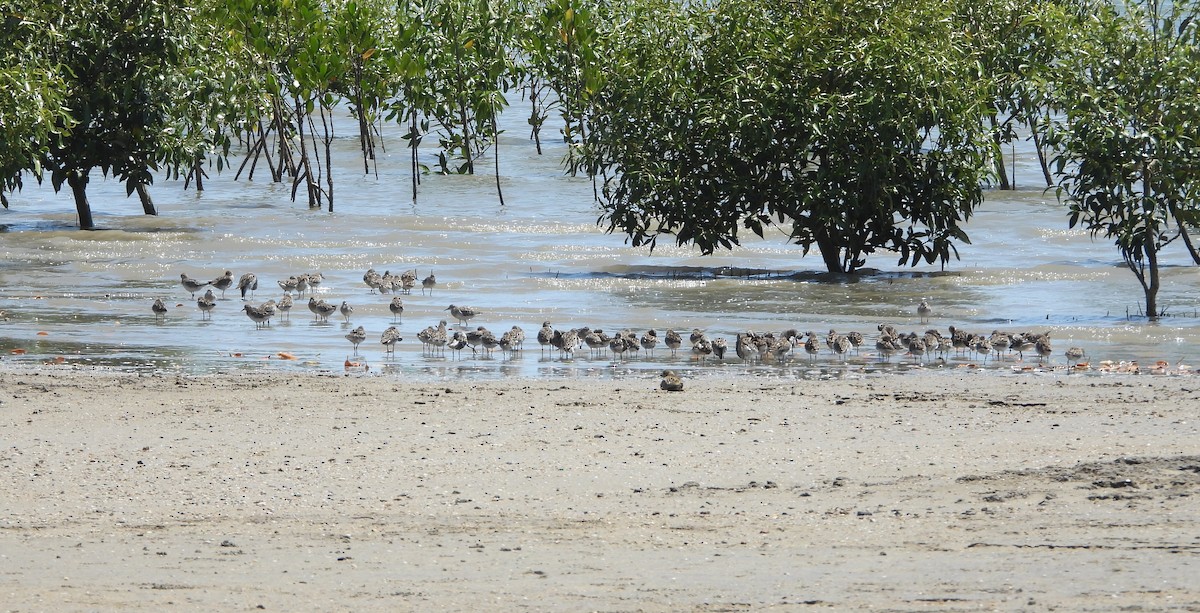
[(314, 280), (696, 336), (982, 346), (427, 284), (223, 282), (346, 310), (812, 346), (437, 336), (389, 339), (649, 341), (1023, 342), (268, 309), (702, 348), (457, 342), (544, 335), (475, 337), (887, 346), (1000, 342), (190, 284), (463, 314), (743, 346), (313, 305), (408, 279), (673, 341), (256, 315), (397, 309), (372, 279), (841, 346), (206, 303), (510, 341), (1042, 346), (285, 306), (357, 336), (617, 345), (856, 339), (1073, 354), (160, 309), (959, 339), (719, 347), (488, 340), (289, 284), (924, 311), (917, 347), (597, 341), (324, 310), (248, 282), (671, 381), (566, 342)]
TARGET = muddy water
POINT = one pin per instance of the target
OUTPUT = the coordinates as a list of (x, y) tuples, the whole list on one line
[(84, 297)]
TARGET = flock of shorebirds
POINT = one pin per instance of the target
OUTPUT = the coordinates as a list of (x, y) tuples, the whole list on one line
[(748, 346)]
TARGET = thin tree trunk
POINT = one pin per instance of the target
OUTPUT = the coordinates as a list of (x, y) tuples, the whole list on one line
[(496, 156), (313, 203), (78, 181), (535, 117), (1187, 241), (144, 195), (327, 128), (1041, 154), (413, 143), (1001, 171), (1153, 285)]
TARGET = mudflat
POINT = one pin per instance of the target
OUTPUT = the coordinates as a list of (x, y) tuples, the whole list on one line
[(285, 492)]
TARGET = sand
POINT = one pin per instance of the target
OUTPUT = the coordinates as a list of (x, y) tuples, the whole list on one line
[(285, 492)]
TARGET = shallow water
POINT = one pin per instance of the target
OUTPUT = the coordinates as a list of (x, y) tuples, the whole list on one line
[(84, 298)]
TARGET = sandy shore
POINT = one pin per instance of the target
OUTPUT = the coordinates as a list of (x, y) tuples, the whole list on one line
[(300, 492)]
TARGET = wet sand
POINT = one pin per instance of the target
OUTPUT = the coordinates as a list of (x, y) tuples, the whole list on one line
[(938, 492)]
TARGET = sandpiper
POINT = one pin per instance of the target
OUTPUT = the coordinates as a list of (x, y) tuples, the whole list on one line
[(617, 345), (372, 279), (346, 310), (438, 338), (314, 280), (223, 282), (1042, 346), (841, 346), (671, 381), (924, 311), (463, 314), (248, 282), (160, 309), (408, 279), (357, 336), (397, 308), (324, 310), (812, 346), (190, 284), (206, 303), (256, 315), (649, 341), (289, 284), (427, 284), (719, 347), (285, 306), (544, 335), (1074, 354), (389, 339), (673, 341)]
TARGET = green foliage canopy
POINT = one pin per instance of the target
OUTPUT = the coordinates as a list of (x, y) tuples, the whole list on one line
[(852, 126)]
